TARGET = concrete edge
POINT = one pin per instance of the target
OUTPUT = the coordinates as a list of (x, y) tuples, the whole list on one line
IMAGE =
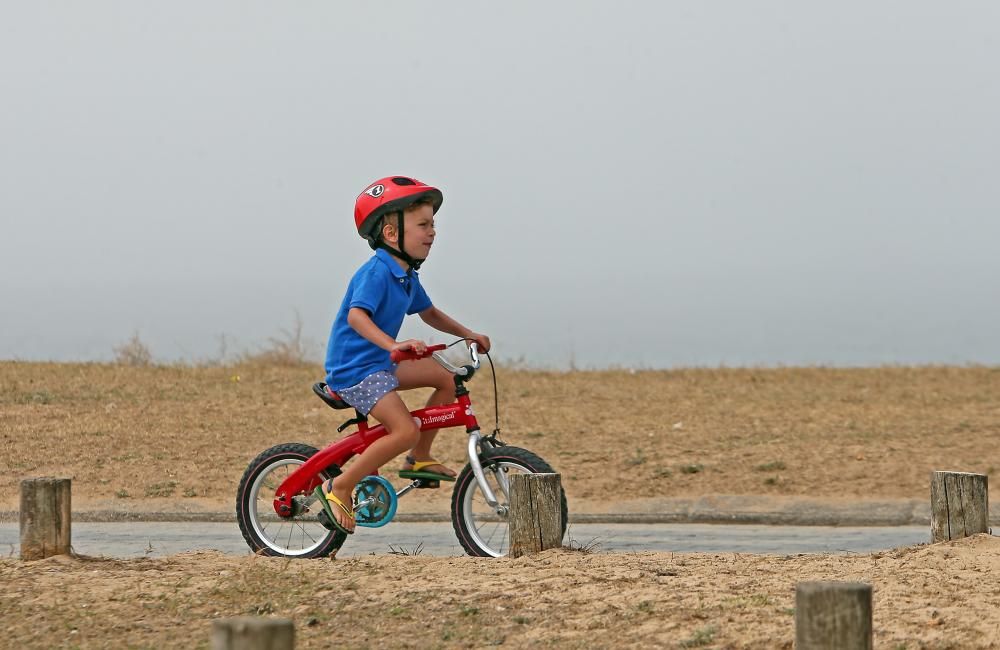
[(902, 513)]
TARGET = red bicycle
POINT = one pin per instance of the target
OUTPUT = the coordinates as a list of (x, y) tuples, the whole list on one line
[(277, 509)]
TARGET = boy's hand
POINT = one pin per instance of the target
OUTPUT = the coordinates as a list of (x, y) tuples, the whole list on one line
[(418, 347), (481, 340)]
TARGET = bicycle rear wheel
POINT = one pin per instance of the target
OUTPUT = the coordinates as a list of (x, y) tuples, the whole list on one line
[(300, 535), (481, 530)]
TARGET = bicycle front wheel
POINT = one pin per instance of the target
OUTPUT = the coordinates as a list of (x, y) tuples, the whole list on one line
[(481, 530), (301, 534)]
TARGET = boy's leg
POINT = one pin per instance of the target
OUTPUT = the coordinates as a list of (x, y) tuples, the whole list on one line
[(427, 373), (403, 434)]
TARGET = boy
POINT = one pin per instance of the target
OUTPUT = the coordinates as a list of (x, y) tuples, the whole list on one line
[(396, 216)]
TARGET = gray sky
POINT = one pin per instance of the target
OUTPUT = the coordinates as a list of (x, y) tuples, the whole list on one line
[(636, 184)]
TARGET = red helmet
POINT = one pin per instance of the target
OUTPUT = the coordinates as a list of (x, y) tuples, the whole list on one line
[(387, 195)]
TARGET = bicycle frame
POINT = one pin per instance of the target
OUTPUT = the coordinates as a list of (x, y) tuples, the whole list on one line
[(305, 479)]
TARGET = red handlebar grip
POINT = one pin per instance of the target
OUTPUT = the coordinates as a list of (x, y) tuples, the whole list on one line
[(409, 355)]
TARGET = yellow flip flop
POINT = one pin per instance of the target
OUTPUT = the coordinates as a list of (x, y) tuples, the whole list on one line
[(415, 471), (325, 498)]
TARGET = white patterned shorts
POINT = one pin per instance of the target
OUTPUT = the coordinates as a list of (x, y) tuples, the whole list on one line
[(364, 395)]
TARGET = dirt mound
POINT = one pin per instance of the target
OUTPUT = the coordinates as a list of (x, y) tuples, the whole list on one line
[(927, 596)]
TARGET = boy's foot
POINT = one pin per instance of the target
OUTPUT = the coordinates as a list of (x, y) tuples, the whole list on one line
[(336, 506), (428, 465)]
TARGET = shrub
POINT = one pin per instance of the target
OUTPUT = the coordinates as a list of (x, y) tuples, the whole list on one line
[(133, 353)]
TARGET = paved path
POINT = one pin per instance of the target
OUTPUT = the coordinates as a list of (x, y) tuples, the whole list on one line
[(708, 509), (138, 539)]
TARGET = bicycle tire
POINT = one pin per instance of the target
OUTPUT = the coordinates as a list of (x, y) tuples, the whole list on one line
[(255, 510), (476, 524)]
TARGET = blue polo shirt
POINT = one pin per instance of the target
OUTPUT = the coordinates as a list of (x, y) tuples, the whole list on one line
[(388, 293)]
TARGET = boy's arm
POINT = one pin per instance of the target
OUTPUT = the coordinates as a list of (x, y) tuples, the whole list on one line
[(363, 324), (445, 323)]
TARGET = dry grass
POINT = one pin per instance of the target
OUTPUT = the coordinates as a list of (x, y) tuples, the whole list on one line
[(289, 348), (179, 437)]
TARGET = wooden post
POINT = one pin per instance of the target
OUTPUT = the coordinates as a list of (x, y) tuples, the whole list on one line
[(253, 633), (535, 513), (45, 517), (833, 616), (959, 505)]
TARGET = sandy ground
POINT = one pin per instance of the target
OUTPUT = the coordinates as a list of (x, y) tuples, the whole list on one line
[(941, 596), (172, 438)]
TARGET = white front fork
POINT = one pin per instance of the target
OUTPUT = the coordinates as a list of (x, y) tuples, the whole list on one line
[(477, 469)]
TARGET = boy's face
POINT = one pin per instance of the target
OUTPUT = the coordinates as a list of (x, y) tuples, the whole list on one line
[(418, 231)]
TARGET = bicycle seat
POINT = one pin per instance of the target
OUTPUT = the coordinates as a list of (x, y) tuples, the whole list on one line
[(332, 399)]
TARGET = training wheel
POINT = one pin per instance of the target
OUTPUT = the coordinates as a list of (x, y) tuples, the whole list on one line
[(377, 502)]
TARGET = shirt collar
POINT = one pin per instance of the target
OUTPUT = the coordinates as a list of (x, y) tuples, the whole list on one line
[(390, 261)]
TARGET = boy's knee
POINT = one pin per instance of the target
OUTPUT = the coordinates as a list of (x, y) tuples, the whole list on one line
[(413, 437), (408, 433), (445, 382)]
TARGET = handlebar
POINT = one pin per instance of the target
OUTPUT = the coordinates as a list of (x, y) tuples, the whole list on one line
[(465, 371), (410, 355)]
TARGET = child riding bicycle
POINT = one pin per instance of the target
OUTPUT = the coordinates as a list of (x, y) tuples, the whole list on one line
[(396, 216)]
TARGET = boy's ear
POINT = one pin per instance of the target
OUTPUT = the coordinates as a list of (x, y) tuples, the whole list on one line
[(389, 232)]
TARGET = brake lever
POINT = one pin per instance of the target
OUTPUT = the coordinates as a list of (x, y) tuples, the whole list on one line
[(453, 369), (461, 371)]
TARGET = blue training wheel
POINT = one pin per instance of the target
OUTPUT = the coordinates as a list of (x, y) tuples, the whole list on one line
[(383, 497)]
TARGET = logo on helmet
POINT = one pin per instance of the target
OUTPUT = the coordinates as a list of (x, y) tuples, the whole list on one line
[(375, 190)]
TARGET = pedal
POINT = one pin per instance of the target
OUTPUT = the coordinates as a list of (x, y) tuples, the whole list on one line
[(325, 520), (425, 483), (425, 476)]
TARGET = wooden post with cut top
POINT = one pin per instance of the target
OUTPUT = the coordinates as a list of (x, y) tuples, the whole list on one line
[(959, 505), (45, 518), (253, 633), (535, 513), (833, 616)]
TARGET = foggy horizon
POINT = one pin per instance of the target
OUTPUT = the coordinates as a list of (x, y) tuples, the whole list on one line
[(644, 185)]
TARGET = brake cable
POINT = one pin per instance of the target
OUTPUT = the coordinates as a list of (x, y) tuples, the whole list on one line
[(496, 394)]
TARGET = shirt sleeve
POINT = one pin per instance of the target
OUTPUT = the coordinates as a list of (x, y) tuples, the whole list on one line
[(369, 292), (421, 300)]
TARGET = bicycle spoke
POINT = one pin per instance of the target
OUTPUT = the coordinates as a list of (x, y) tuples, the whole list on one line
[(274, 536), (305, 533), (490, 538), (502, 481)]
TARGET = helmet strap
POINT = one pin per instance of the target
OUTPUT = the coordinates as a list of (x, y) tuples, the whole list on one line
[(413, 263)]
